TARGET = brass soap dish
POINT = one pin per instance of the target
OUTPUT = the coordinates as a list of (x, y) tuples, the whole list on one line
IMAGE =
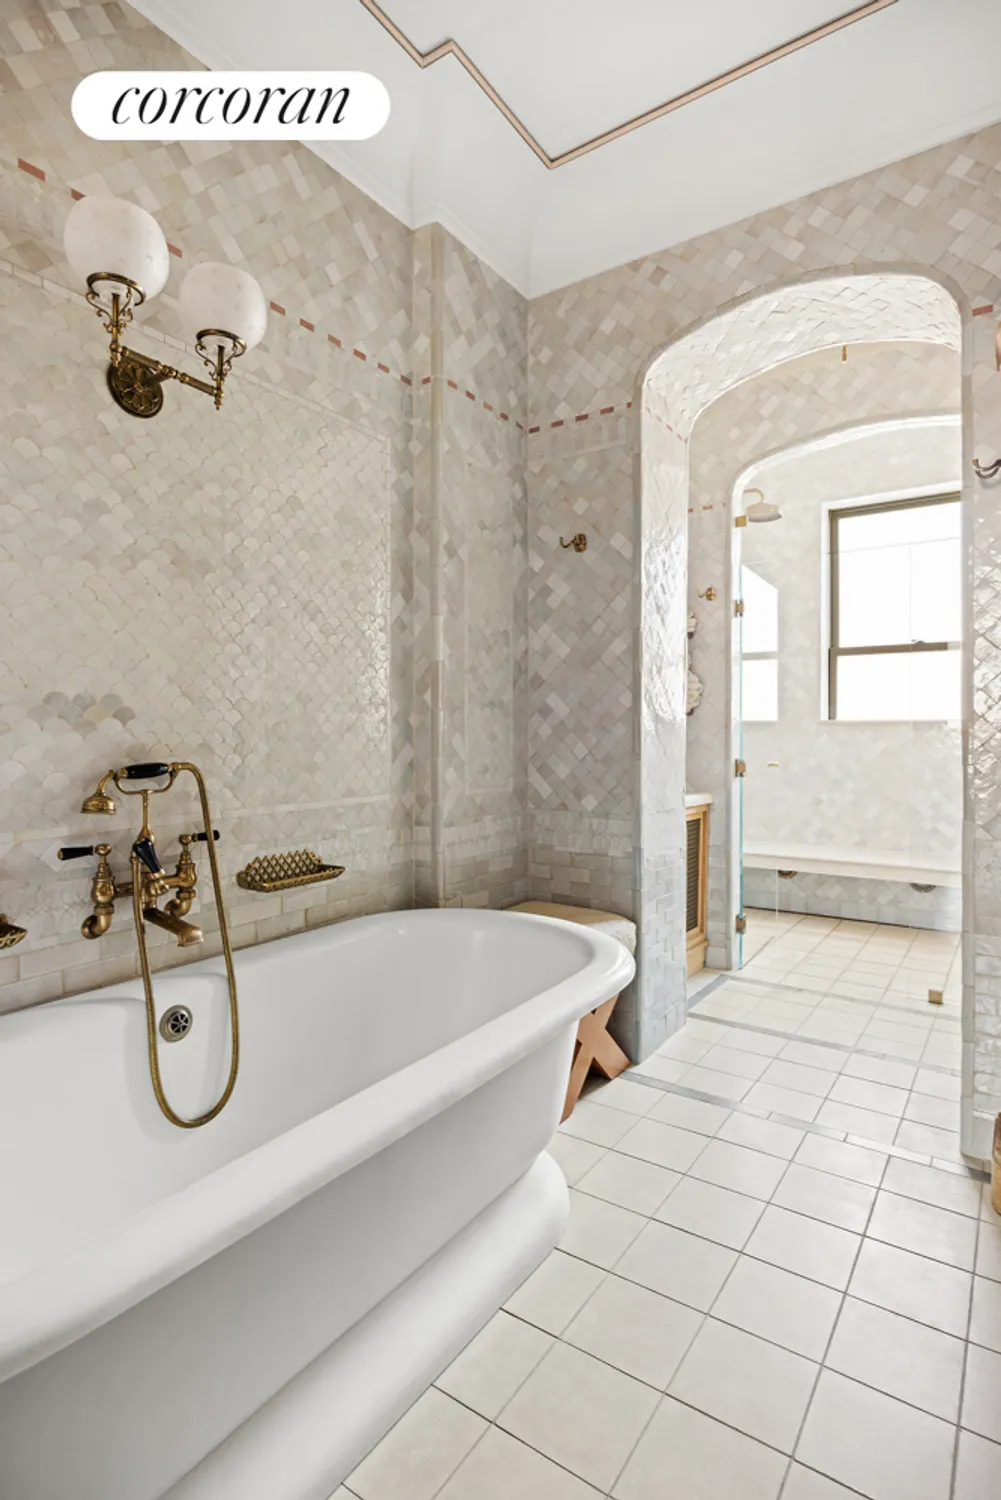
[(280, 872)]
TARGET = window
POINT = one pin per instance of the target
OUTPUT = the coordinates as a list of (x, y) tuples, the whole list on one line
[(759, 685), (896, 610)]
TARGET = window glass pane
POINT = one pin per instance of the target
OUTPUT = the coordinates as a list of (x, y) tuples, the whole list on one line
[(761, 612), (889, 528), (912, 685), (936, 605), (760, 692), (874, 597)]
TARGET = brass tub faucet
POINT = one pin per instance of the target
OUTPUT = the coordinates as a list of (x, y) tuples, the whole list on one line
[(149, 882)]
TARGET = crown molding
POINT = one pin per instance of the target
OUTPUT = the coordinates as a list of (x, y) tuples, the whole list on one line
[(451, 48)]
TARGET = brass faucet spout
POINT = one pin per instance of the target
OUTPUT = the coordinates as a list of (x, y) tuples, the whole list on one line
[(185, 932)]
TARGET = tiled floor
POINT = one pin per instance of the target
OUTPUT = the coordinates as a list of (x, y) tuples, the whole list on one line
[(779, 1279)]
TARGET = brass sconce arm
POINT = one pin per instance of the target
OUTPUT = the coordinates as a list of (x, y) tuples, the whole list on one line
[(136, 380)]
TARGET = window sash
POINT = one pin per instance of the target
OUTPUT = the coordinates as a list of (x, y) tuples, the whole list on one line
[(835, 650)]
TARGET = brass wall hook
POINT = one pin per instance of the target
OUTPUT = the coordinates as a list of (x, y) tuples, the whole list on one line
[(578, 542), (709, 593), (986, 471)]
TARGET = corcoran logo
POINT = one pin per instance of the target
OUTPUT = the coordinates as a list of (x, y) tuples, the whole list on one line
[(260, 106)]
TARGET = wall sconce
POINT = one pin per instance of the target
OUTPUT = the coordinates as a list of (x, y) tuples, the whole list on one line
[(119, 250), (577, 542)]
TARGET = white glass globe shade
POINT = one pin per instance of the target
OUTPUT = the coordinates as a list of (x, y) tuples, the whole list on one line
[(108, 234), (224, 298)]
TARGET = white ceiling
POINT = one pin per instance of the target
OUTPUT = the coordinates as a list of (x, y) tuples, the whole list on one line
[(910, 76)]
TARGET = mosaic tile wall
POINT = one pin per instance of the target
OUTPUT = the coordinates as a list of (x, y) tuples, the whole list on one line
[(849, 897), (801, 399), (276, 560), (591, 343)]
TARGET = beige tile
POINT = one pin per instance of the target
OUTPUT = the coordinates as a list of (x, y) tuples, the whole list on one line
[(808, 1248), (636, 1330), (978, 1469), (687, 1455), (580, 1413), (874, 1444), (664, 1145), (629, 1182), (598, 1231), (843, 1160), (500, 1467), (715, 1213), (919, 1288), (926, 1230), (554, 1294), (905, 1359), (417, 1455), (787, 1309), (754, 1386), (981, 1406), (490, 1369), (676, 1264), (822, 1195), (736, 1167)]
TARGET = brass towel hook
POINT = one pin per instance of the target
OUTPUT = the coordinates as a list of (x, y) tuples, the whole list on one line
[(578, 542)]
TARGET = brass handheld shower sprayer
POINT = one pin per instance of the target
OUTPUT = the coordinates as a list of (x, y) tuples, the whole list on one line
[(149, 882)]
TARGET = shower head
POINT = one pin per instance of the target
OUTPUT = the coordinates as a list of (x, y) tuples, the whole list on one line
[(761, 510), (99, 801)]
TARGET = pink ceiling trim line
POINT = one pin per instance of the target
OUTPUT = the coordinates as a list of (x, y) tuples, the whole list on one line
[(450, 48)]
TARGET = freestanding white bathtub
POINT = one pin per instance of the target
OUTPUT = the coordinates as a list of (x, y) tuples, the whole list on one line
[(239, 1312)]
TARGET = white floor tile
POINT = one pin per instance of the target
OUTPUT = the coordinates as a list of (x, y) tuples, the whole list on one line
[(664, 1145), (735, 1037), (574, 1155), (880, 1070), (804, 1080), (684, 1048), (687, 1455), (812, 1056), (500, 1467), (926, 1230), (629, 1182), (679, 1265), (639, 1331), (961, 1195), (769, 1136), (417, 1455), (919, 1288), (597, 1123), (868, 1095), (490, 1369), (598, 1231), (736, 1167), (905, 1359), (555, 1293), (667, 1069), (855, 1162), (989, 1252), (580, 1413), (805, 1246), (735, 1062), (690, 1114), (985, 1320), (787, 1309), (747, 1383), (715, 1213), (939, 1085), (807, 1484), (943, 1114), (822, 1195), (867, 1123), (928, 1141), (721, 1085), (978, 1469), (874, 1444), (982, 1393), (622, 1093)]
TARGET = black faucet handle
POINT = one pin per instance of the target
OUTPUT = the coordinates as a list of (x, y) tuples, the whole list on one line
[(203, 838), (145, 851), (145, 770), (77, 851)]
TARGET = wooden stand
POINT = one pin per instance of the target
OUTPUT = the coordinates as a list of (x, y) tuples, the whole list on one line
[(594, 1045)]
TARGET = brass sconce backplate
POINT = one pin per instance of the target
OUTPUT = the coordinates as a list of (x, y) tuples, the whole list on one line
[(135, 388)]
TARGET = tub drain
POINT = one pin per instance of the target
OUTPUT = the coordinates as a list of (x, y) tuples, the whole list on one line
[(175, 1023)]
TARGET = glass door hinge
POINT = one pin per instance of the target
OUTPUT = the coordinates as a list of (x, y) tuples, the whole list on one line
[(740, 768), (741, 924), (738, 607)]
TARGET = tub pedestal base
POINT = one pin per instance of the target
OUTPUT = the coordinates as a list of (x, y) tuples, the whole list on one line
[(303, 1442)]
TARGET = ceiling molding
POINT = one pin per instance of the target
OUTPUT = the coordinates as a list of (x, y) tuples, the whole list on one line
[(450, 48)]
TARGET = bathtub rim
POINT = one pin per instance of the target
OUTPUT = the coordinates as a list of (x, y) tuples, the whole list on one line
[(47, 1309)]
